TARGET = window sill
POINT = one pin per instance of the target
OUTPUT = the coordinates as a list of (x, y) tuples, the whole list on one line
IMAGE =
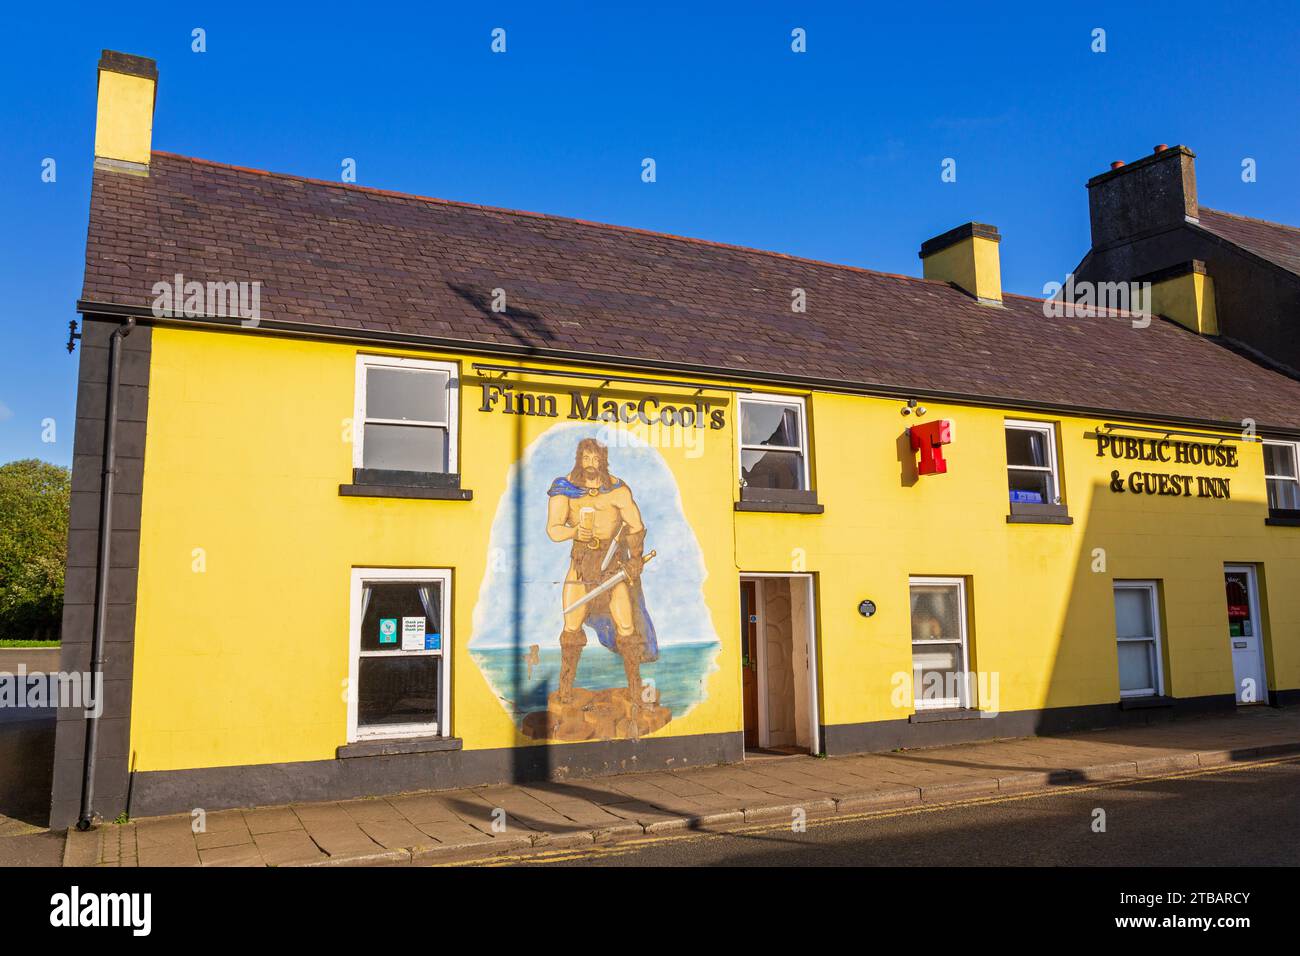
[(405, 491), (948, 713), (1143, 703), (1283, 519), (391, 746), (378, 483), (1039, 519), (779, 501), (1037, 512)]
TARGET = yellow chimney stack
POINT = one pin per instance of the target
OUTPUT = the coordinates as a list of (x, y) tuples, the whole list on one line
[(124, 123), (1185, 294), (967, 257)]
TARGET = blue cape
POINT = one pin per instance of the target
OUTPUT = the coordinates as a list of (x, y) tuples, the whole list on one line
[(563, 486), (602, 623)]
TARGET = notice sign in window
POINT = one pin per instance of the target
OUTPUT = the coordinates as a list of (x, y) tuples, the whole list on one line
[(413, 634)]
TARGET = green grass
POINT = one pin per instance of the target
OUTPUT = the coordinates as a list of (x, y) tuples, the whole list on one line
[(7, 642)]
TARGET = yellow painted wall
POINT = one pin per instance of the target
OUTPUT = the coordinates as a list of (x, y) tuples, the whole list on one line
[(247, 444), (124, 128)]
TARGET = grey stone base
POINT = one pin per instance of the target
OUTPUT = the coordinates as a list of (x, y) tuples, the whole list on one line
[(886, 735), (158, 792)]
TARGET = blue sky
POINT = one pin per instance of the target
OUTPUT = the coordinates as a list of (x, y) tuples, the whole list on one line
[(833, 154)]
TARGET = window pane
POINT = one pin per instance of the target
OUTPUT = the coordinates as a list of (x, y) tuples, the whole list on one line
[(390, 601), (772, 469), (1026, 446), (1279, 461), (1136, 665), (405, 448), (406, 394), (1284, 493), (398, 689), (1030, 486), (936, 612), (1133, 613), (936, 671), (764, 424)]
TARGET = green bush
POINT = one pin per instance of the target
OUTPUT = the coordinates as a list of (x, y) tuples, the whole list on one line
[(34, 499)]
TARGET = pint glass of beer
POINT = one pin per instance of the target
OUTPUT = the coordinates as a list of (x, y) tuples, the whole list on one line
[(587, 522)]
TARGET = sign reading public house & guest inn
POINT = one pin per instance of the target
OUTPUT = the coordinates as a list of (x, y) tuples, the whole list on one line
[(1167, 451)]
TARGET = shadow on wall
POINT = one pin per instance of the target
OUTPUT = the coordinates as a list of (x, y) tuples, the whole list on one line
[(1135, 537)]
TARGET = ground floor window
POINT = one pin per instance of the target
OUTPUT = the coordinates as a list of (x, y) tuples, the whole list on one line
[(940, 651), (1137, 630), (399, 680)]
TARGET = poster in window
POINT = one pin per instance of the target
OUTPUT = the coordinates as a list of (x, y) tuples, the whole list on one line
[(412, 633)]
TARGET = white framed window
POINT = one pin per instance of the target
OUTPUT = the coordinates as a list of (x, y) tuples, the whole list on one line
[(405, 415), (940, 645), (1281, 475), (773, 442), (1032, 476), (399, 675), (1137, 632)]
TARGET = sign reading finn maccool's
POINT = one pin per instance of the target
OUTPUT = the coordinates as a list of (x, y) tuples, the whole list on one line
[(1165, 450), (592, 407)]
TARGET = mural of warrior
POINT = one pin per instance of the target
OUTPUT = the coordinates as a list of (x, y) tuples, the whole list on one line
[(602, 588)]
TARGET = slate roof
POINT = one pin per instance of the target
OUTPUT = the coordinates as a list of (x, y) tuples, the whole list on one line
[(1273, 241), (354, 258)]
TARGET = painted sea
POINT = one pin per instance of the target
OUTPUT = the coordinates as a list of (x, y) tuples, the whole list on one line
[(679, 675)]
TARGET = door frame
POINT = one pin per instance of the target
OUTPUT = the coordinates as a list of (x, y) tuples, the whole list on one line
[(1257, 621), (760, 652)]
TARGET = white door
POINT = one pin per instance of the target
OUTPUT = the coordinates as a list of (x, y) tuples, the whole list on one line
[(1245, 634)]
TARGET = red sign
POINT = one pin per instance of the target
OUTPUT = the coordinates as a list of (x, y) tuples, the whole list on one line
[(929, 439)]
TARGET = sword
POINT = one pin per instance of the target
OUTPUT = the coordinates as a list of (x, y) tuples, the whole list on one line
[(604, 586)]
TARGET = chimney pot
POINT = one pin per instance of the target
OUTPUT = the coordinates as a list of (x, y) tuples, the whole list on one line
[(1161, 147), (1117, 164)]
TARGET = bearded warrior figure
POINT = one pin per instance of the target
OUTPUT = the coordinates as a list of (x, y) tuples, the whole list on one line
[(596, 511)]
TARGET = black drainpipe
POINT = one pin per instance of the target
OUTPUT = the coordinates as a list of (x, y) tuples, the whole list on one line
[(101, 570)]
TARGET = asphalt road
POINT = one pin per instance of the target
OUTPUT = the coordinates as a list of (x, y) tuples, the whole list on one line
[(1243, 816), (26, 767)]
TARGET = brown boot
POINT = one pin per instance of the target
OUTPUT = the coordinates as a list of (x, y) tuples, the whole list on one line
[(629, 648), (571, 645)]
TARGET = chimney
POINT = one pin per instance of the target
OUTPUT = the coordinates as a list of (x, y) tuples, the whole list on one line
[(1144, 196), (1185, 294), (968, 258), (124, 124)]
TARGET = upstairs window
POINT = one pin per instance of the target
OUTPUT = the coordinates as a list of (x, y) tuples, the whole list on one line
[(1281, 476), (773, 443), (405, 415), (1032, 477)]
